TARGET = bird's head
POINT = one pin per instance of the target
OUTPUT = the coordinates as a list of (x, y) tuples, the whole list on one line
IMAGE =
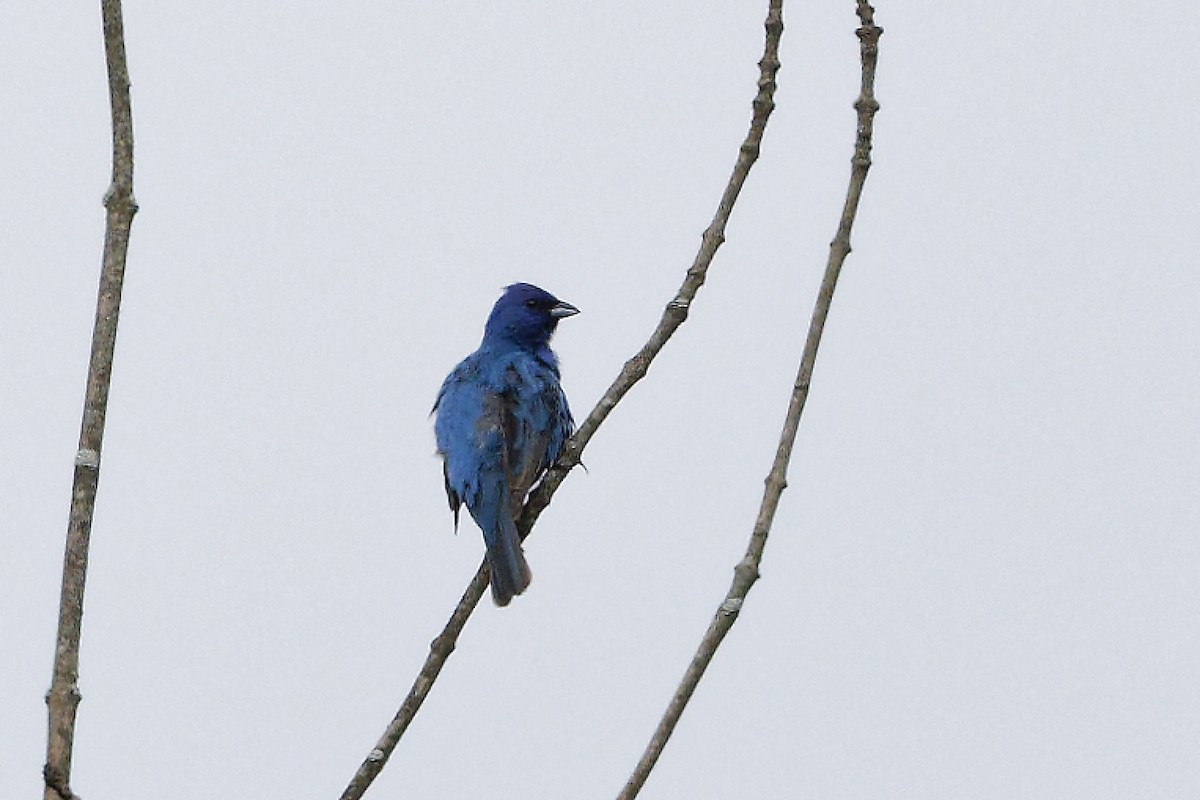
[(527, 316)]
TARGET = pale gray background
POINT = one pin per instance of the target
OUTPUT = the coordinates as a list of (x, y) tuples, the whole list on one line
[(982, 583)]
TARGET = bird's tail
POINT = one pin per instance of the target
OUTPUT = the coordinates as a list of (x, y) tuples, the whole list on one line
[(510, 573)]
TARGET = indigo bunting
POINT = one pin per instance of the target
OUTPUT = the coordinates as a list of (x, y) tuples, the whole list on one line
[(502, 420)]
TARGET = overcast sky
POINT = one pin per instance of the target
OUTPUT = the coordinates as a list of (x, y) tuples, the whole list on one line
[(983, 579)]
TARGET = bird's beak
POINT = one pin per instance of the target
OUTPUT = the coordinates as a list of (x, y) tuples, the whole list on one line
[(561, 309)]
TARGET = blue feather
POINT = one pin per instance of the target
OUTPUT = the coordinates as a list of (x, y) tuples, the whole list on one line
[(502, 420)]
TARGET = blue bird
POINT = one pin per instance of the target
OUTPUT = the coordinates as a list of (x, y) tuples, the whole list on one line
[(502, 420)]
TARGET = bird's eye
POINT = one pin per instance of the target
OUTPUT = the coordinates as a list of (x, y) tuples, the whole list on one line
[(531, 303)]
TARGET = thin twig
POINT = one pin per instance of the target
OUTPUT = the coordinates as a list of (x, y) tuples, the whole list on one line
[(634, 370), (677, 310), (63, 697), (439, 650), (746, 572)]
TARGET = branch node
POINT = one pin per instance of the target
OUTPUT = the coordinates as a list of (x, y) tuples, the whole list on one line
[(86, 457), (747, 569), (443, 645), (56, 782), (679, 308)]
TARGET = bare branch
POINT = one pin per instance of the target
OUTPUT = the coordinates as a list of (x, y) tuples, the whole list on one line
[(634, 370), (63, 697), (439, 650), (746, 572), (677, 310)]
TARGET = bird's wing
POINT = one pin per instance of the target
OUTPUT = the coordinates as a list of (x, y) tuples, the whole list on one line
[(525, 467), (536, 411), (460, 410), (499, 420)]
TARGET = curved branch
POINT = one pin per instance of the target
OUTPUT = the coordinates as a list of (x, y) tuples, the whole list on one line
[(63, 697), (746, 572), (634, 370), (677, 310)]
